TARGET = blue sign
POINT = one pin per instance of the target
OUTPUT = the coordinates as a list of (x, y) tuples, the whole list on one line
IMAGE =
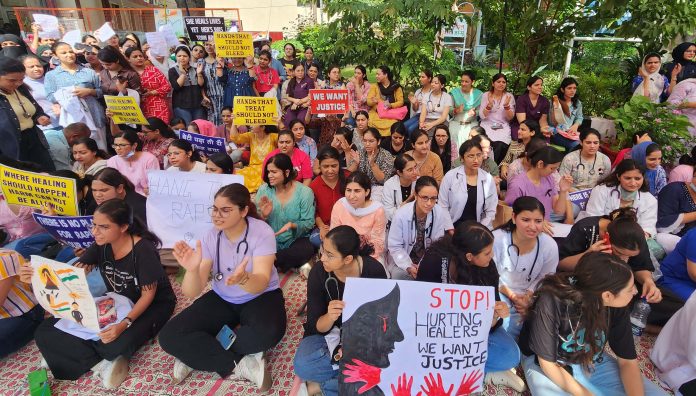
[(74, 231), (204, 144), (580, 198)]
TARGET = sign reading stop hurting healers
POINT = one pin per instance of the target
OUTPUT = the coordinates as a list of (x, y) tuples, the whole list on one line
[(329, 101)]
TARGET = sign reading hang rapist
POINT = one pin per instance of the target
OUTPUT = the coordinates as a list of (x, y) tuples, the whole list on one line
[(178, 203), (329, 101), (125, 110), (252, 110), (408, 332), (233, 45), (202, 28), (35, 190)]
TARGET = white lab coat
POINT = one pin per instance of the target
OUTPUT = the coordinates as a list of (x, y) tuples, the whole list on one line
[(453, 195), (604, 199), (391, 196), (402, 234), (674, 353)]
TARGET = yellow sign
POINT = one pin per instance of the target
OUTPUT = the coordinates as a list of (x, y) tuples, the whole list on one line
[(34, 190), (125, 110), (252, 110), (233, 45)]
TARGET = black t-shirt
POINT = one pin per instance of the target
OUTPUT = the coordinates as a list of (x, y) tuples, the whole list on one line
[(469, 212), (434, 267), (320, 292), (120, 275), (405, 192), (585, 232), (386, 144), (548, 332)]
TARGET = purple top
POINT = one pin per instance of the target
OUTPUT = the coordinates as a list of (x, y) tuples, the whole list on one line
[(544, 192), (260, 242), (524, 105), (301, 88)]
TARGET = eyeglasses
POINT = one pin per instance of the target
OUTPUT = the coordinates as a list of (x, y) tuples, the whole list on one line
[(428, 199), (224, 213), (474, 156), (324, 253), (120, 145), (100, 227)]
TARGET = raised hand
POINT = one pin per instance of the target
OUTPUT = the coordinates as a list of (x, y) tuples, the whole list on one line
[(677, 69), (187, 257), (403, 387), (362, 372), (239, 274), (507, 100), (435, 387), (265, 206), (566, 183), (335, 309), (468, 385), (643, 74)]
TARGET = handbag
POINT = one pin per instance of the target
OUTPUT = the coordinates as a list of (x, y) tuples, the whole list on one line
[(391, 114)]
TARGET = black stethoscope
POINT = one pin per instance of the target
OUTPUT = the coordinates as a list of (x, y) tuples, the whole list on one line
[(218, 275), (396, 192), (428, 229), (591, 172), (430, 105), (483, 194), (536, 256), (327, 282), (112, 281)]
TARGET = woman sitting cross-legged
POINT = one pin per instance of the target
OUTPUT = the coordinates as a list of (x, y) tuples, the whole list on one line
[(238, 252), (341, 257), (126, 254)]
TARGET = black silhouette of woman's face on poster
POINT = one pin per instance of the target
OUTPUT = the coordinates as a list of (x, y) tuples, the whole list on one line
[(369, 336)]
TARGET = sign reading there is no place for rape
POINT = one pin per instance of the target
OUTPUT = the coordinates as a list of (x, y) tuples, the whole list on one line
[(252, 110), (203, 28), (580, 198), (74, 231), (233, 45), (35, 190), (329, 101), (417, 331), (178, 204)]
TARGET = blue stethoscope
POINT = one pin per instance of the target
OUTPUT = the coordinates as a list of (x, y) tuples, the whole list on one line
[(218, 274), (413, 228), (483, 194), (536, 256)]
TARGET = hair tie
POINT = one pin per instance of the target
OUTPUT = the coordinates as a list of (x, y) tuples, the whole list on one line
[(573, 280)]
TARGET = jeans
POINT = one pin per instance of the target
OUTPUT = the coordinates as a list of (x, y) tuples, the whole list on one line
[(315, 238), (503, 352), (412, 124), (513, 323), (189, 115), (564, 142), (313, 363), (16, 332), (34, 244), (605, 380)]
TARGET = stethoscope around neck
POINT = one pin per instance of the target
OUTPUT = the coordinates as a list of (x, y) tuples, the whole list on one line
[(218, 274), (592, 171), (413, 228), (464, 185), (618, 194), (536, 256)]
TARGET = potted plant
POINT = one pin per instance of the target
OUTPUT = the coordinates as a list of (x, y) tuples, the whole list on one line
[(667, 124)]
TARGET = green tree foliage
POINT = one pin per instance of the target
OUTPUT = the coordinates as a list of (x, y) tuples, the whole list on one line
[(657, 22), (397, 33)]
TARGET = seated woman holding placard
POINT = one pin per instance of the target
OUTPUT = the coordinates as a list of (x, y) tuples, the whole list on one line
[(262, 140), (126, 254)]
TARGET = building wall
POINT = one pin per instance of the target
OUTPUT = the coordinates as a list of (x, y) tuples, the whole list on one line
[(262, 15)]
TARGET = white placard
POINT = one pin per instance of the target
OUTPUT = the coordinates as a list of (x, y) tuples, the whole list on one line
[(72, 37), (414, 328), (105, 32), (63, 292), (169, 36), (178, 202), (48, 24), (158, 44)]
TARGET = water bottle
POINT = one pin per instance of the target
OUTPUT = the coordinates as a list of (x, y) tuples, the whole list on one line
[(639, 316)]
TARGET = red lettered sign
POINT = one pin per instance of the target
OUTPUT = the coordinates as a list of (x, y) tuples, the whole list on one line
[(329, 101)]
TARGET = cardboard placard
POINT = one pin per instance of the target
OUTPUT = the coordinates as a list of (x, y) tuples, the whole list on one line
[(329, 101), (252, 110), (105, 32), (204, 144), (202, 28), (74, 231), (35, 189), (48, 24), (419, 330), (178, 203), (125, 110), (158, 43), (233, 45)]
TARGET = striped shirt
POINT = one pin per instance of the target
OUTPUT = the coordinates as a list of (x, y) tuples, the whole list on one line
[(20, 298)]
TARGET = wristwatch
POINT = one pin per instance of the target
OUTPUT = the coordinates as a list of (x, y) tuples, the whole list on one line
[(129, 321)]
